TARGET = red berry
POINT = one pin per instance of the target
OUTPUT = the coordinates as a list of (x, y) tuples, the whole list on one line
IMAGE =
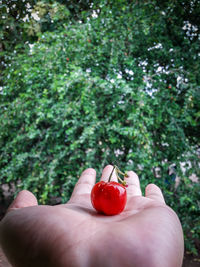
[(109, 197), (67, 59)]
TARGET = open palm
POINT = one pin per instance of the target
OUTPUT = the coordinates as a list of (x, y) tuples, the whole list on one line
[(147, 233)]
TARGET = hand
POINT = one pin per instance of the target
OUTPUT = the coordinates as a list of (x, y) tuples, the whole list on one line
[(146, 234)]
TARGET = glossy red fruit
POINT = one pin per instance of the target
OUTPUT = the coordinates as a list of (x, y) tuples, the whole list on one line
[(109, 197)]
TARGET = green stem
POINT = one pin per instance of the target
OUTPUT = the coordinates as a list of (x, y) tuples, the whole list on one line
[(122, 173), (122, 181)]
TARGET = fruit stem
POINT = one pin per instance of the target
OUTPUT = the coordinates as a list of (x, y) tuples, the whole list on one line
[(111, 173), (117, 170), (122, 173), (122, 181)]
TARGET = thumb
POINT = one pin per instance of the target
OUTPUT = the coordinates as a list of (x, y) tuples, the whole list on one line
[(24, 199)]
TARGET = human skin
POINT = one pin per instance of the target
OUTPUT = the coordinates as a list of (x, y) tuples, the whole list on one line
[(146, 233)]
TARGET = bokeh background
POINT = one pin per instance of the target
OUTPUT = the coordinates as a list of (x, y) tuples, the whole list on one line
[(89, 83)]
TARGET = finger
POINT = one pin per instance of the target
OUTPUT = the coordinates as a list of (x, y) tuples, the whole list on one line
[(24, 199), (106, 174), (85, 182), (152, 191), (133, 183)]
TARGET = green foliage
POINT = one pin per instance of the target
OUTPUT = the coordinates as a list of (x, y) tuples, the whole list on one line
[(101, 83), (185, 202)]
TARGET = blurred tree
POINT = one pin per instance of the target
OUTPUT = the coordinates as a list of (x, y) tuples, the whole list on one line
[(13, 14)]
